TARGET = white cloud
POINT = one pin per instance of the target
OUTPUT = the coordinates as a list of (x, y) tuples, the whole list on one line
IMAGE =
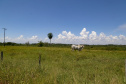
[(93, 36), (84, 33), (66, 35), (122, 37), (20, 37), (70, 38), (102, 36), (34, 37), (86, 38), (60, 36), (114, 37), (121, 28)]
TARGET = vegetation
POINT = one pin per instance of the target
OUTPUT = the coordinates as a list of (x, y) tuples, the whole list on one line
[(50, 35), (40, 44), (60, 65), (27, 43), (108, 47)]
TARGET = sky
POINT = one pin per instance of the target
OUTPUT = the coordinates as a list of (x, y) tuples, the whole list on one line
[(70, 21)]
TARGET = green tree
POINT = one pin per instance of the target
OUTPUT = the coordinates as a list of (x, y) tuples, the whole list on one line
[(27, 43), (40, 44), (50, 35)]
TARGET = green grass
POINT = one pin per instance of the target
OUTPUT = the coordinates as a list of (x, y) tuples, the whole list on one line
[(20, 65)]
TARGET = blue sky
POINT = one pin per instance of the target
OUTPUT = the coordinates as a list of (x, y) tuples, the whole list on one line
[(32, 20)]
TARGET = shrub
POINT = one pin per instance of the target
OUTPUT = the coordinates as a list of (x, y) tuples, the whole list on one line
[(27, 43), (40, 44), (46, 44)]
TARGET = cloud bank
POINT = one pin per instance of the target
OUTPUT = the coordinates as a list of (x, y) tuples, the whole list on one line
[(85, 37), (22, 39)]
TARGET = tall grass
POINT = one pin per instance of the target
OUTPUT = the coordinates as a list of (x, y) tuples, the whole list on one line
[(61, 66)]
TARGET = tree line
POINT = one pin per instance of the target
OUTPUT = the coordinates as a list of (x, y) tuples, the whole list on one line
[(40, 44), (87, 47)]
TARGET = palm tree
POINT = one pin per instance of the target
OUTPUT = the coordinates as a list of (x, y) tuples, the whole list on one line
[(50, 35)]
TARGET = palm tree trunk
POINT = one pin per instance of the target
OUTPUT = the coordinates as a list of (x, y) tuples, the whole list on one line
[(50, 41)]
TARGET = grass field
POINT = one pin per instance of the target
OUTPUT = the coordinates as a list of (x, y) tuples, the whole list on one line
[(20, 65)]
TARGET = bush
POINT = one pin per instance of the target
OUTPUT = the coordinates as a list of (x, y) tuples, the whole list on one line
[(111, 47), (27, 43), (10, 43), (40, 44), (46, 44)]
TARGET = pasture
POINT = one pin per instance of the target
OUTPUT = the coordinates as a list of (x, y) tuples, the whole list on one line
[(60, 65)]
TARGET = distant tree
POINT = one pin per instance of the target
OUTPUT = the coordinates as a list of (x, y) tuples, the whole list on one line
[(46, 44), (27, 43), (50, 35), (40, 44)]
